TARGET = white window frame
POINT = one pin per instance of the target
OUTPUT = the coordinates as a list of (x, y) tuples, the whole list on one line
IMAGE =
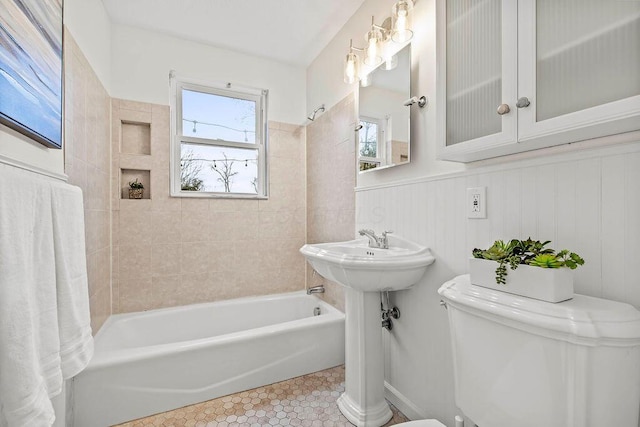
[(259, 96), (380, 143)]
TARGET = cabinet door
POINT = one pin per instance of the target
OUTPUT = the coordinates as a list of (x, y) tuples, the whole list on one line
[(477, 66), (579, 67)]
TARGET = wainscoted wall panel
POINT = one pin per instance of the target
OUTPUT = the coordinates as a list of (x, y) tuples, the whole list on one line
[(585, 201), (174, 251), (87, 162), (330, 181)]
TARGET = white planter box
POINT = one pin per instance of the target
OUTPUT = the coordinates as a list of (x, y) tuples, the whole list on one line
[(546, 284)]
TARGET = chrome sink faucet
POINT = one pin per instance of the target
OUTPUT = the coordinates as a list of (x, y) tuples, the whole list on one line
[(375, 241)]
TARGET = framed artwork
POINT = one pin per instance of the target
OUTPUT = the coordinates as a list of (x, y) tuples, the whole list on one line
[(31, 69)]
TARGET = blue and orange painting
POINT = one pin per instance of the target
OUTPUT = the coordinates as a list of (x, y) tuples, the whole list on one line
[(31, 68)]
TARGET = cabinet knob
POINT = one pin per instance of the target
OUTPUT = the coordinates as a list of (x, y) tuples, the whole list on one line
[(503, 109), (523, 102)]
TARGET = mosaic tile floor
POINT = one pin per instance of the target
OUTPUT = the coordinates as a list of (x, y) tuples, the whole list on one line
[(309, 401)]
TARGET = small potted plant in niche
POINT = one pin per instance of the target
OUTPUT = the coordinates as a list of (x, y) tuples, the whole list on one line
[(136, 189), (527, 268)]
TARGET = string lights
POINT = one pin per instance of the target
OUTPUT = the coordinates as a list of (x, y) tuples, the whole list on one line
[(226, 159), (196, 122)]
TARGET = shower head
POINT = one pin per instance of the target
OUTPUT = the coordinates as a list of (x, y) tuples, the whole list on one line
[(312, 116)]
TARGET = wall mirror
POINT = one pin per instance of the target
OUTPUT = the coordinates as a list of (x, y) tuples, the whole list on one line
[(383, 133)]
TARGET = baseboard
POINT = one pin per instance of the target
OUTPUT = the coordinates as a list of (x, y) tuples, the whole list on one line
[(404, 405)]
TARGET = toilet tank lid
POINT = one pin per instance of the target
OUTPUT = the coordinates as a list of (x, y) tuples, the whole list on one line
[(581, 320)]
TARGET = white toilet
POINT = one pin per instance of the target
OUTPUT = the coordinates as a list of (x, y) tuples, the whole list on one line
[(523, 362)]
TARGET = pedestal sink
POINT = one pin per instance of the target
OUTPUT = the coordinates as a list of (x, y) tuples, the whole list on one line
[(365, 272)]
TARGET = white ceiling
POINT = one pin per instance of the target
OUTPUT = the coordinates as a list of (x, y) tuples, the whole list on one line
[(290, 31)]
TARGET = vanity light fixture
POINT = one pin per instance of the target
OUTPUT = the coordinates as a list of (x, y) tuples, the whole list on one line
[(352, 64), (379, 48), (401, 15), (374, 41)]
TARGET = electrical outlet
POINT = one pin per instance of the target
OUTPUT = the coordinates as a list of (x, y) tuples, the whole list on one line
[(477, 202)]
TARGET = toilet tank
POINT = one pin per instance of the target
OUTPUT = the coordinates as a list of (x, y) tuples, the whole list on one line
[(522, 362)]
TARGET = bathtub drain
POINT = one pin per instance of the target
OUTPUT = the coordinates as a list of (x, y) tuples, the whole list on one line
[(316, 311)]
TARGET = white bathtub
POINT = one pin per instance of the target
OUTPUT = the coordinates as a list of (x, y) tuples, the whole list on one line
[(158, 360)]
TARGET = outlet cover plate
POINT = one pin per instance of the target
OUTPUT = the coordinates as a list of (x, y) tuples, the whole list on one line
[(476, 202)]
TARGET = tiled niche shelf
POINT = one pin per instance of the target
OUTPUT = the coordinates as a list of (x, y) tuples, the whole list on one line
[(136, 138), (130, 175), (133, 130)]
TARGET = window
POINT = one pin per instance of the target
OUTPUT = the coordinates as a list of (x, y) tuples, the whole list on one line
[(370, 150), (220, 141)]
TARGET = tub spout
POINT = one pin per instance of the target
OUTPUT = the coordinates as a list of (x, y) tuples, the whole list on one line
[(315, 290)]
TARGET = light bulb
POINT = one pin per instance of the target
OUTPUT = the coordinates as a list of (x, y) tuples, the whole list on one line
[(401, 13), (372, 49), (373, 38), (402, 21), (351, 68)]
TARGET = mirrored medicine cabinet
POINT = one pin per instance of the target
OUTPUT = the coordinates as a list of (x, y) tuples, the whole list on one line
[(383, 135)]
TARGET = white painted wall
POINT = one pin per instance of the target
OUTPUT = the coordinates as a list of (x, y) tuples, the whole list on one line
[(89, 24), (142, 61), (17, 148)]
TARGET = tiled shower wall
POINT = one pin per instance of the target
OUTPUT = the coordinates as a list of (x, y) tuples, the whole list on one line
[(175, 251), (87, 162), (330, 182), (585, 201)]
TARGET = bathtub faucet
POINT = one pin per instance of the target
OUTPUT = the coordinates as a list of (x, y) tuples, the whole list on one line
[(375, 241), (315, 290)]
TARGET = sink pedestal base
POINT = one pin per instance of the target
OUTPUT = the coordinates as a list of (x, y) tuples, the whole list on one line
[(363, 402)]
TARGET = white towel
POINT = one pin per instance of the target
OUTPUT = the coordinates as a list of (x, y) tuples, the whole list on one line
[(45, 332), (29, 341), (74, 322)]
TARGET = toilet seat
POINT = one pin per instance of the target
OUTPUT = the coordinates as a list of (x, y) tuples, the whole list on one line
[(422, 423)]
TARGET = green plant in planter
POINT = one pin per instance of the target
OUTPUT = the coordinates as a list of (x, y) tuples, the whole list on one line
[(528, 252), (135, 185), (135, 189)]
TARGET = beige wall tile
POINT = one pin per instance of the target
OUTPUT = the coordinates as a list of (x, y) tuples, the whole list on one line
[(194, 225), (165, 259), (126, 104), (330, 158), (166, 291), (87, 163), (134, 228), (221, 256), (92, 273), (192, 288), (165, 226), (134, 262), (221, 285), (284, 224), (233, 205), (195, 258), (195, 204), (167, 204), (135, 295), (100, 307)]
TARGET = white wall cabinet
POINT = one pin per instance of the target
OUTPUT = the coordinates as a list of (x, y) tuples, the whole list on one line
[(517, 75)]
